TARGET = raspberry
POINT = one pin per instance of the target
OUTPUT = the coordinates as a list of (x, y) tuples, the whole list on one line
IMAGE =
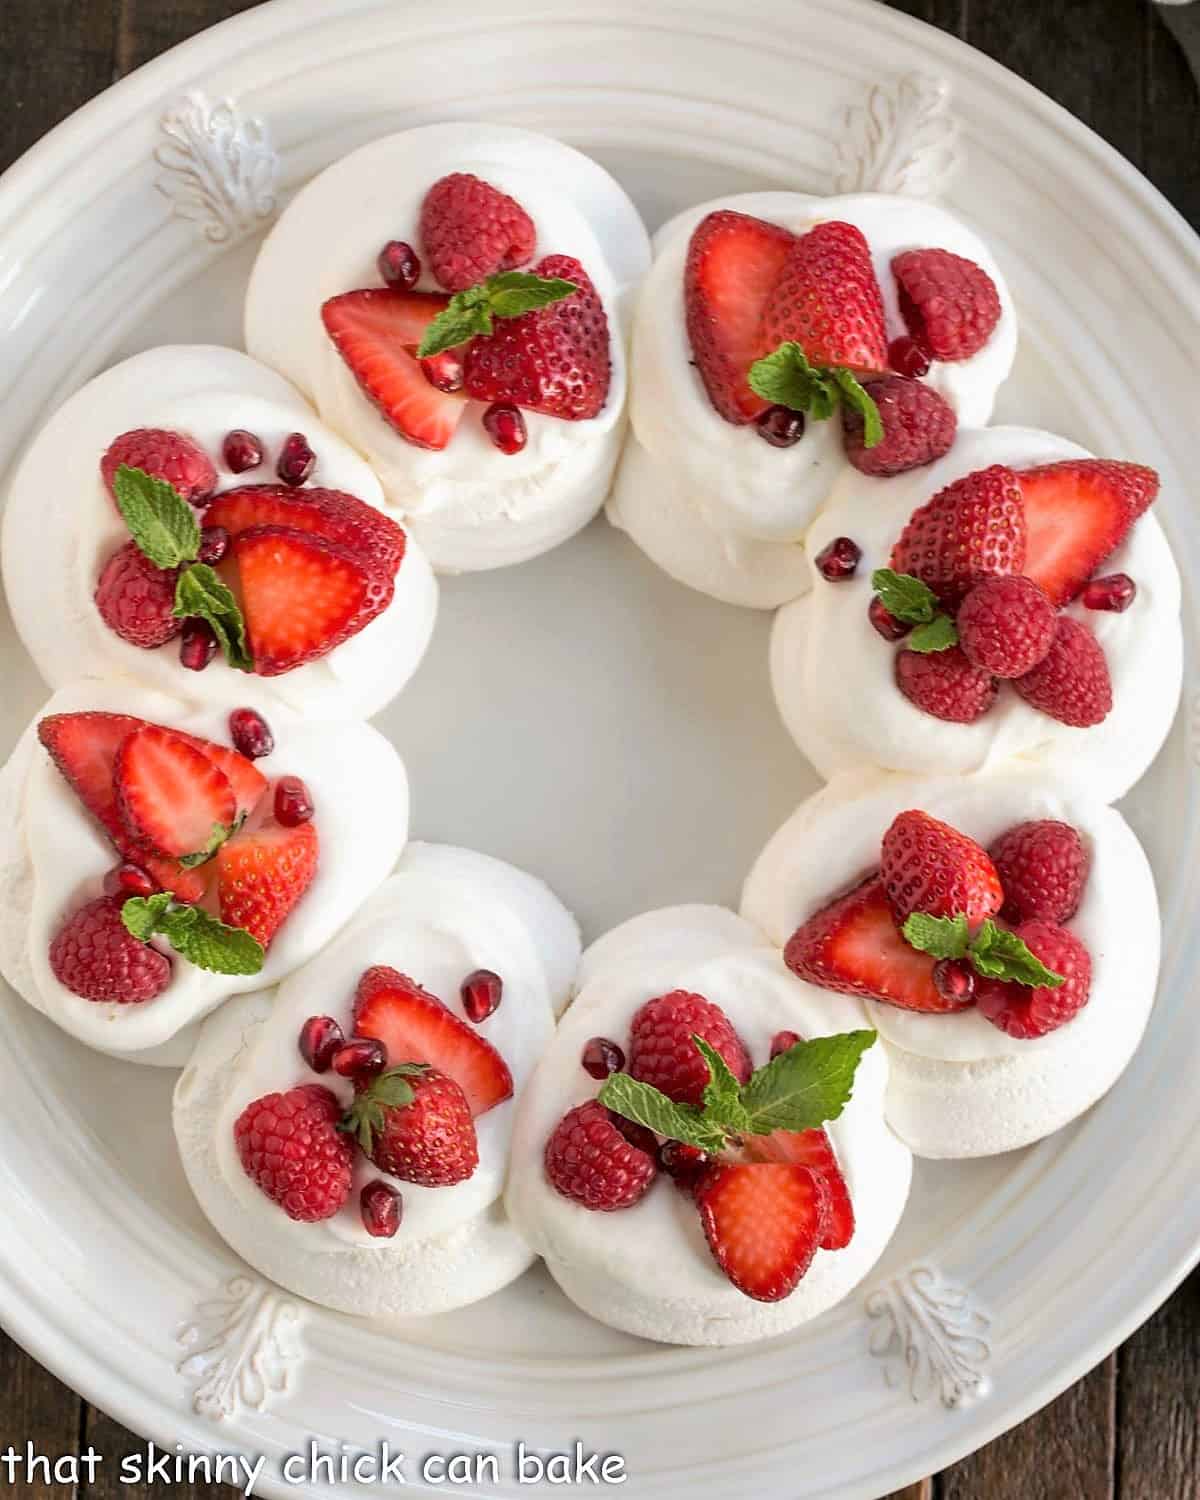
[(918, 426), (165, 455), (470, 230), (289, 1146), (135, 599), (1006, 626), (1026, 1011), (951, 305), (95, 955), (973, 529), (1071, 683), (589, 1161), (945, 684), (1043, 867), (662, 1053)]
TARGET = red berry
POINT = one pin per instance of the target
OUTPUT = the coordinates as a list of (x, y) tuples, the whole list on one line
[(165, 455), (828, 300), (780, 426), (637, 1135), (241, 450), (885, 622), (428, 1139), (382, 1208), (250, 733), (127, 880), (93, 954), (136, 600), (973, 529), (214, 542), (908, 358), (262, 873), (1006, 626), (589, 1161), (505, 425), (1071, 683), (399, 265), (954, 980), (927, 866), (293, 802), (339, 518), (945, 684), (918, 426), (662, 1053), (444, 371), (320, 1038), (783, 1041), (839, 559), (481, 993), (1077, 513), (471, 230), (1043, 867), (602, 1057), (296, 459), (1027, 1011), (764, 1222), (360, 1057), (1115, 593), (686, 1164), (290, 1146), (950, 304), (197, 646)]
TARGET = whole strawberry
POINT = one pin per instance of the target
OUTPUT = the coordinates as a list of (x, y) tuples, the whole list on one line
[(918, 427), (1071, 683), (950, 304), (94, 955), (927, 866), (470, 230), (415, 1123), (1006, 625), (163, 455), (973, 529), (289, 1145), (589, 1160), (662, 1053), (1027, 1011), (1043, 867), (945, 684), (828, 300), (136, 599)]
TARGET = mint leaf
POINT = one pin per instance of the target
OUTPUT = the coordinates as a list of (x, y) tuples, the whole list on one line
[(785, 378), (391, 1090), (805, 1086), (512, 293), (200, 594), (194, 934), (220, 832), (904, 596), (722, 1092), (141, 914), (943, 937), (160, 520), (938, 635), (643, 1104), (859, 399), (506, 295), (997, 954)]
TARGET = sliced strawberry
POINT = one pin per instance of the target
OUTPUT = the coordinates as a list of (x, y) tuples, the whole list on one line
[(262, 875), (733, 262), (827, 299), (376, 331), (247, 781), (1077, 513), (84, 748), (170, 794), (812, 1149), (301, 596), (415, 1026), (853, 946), (338, 517), (764, 1222)]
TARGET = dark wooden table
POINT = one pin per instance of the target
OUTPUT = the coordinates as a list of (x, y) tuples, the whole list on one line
[(1128, 1431)]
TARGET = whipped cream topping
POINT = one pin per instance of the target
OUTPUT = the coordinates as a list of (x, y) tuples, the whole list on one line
[(833, 675), (470, 506), (443, 914), (647, 1269), (54, 856), (61, 526), (960, 1086), (752, 503)]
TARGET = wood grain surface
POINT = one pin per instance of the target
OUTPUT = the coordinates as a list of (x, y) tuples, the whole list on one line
[(1128, 1430)]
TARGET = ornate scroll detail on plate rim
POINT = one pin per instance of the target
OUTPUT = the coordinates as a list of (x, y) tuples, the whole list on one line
[(240, 1348), (931, 1336), (902, 138), (219, 169)]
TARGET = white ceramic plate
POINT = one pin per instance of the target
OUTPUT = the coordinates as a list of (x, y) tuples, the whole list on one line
[(584, 717)]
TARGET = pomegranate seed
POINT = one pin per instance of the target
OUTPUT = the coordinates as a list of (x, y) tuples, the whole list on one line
[(886, 623), (213, 542), (602, 1057), (320, 1038), (129, 880), (839, 560), (505, 425), (399, 265), (637, 1135), (444, 371), (241, 450), (360, 1057), (686, 1164), (251, 734), (382, 1208), (293, 802), (783, 1041), (1114, 593), (907, 357), (781, 426), (481, 993), (953, 979), (197, 645), (296, 459)]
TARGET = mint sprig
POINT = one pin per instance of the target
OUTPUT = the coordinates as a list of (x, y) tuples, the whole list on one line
[(367, 1116), (472, 312), (194, 934), (915, 603), (800, 1089), (200, 594), (994, 952), (786, 378)]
